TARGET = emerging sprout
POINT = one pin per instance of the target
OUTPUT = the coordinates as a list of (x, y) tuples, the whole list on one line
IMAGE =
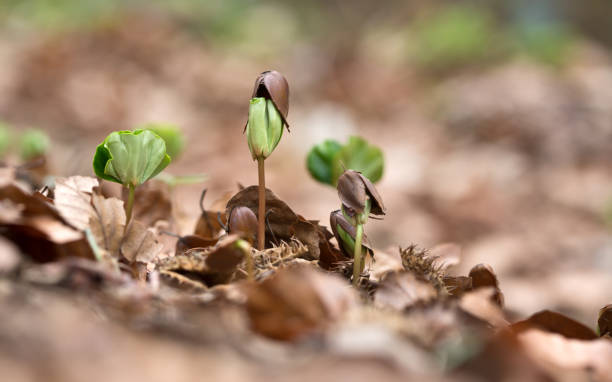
[(130, 158), (359, 199), (172, 136), (34, 144), (268, 110), (328, 160)]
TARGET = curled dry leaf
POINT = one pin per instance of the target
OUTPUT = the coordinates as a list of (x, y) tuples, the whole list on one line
[(483, 276), (401, 290), (479, 304), (604, 321), (107, 223), (140, 243), (297, 301), (555, 323), (36, 227), (283, 223), (199, 269), (73, 199), (553, 350)]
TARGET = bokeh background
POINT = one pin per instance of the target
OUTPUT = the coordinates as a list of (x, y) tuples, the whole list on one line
[(495, 117)]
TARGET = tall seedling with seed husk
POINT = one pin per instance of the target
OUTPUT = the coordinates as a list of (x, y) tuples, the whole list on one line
[(130, 158), (359, 199), (268, 110)]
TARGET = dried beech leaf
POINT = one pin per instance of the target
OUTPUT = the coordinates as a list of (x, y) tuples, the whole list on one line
[(283, 223), (187, 242), (297, 301), (140, 243), (152, 202), (206, 267), (479, 304), (604, 321), (401, 290), (555, 323), (386, 262), (107, 222), (483, 276), (554, 350), (73, 199)]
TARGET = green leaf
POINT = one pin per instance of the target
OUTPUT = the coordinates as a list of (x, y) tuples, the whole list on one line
[(34, 143), (172, 136), (264, 127), (360, 156), (320, 160), (131, 157)]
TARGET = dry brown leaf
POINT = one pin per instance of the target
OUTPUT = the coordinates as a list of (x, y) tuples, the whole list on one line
[(73, 199), (187, 242), (386, 262), (283, 223), (208, 225), (604, 321), (206, 267), (152, 202), (140, 243), (479, 304), (483, 276), (297, 301), (107, 222), (555, 323), (553, 350), (401, 290)]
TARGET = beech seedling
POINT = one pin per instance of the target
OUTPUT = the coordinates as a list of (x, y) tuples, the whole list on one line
[(359, 198), (34, 143), (268, 110), (130, 158), (328, 160)]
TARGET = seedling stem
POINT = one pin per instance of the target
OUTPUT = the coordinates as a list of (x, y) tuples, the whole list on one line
[(130, 204), (261, 211), (357, 254)]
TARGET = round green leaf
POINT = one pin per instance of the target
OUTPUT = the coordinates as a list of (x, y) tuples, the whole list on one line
[(360, 156), (171, 134), (130, 157), (320, 160), (34, 143)]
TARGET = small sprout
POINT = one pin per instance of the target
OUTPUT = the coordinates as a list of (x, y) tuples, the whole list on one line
[(34, 144), (130, 158), (359, 199), (344, 233), (359, 195), (328, 160), (243, 222), (268, 111), (171, 134)]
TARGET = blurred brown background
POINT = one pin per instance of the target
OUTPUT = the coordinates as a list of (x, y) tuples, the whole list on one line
[(495, 117)]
